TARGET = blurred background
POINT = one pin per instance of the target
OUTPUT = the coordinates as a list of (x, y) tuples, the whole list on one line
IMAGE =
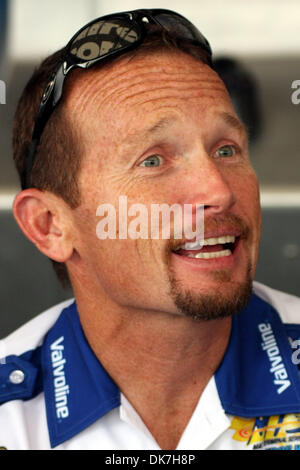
[(257, 52)]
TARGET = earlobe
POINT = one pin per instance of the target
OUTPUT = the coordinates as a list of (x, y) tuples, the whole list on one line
[(42, 220)]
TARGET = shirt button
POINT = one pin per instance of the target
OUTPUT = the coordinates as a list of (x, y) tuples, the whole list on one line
[(16, 377)]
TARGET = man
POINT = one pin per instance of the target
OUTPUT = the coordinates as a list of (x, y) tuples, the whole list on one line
[(167, 345)]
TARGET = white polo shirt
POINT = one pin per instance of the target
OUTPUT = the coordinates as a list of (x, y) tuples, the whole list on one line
[(54, 393)]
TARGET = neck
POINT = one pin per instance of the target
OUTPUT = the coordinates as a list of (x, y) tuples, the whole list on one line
[(161, 362)]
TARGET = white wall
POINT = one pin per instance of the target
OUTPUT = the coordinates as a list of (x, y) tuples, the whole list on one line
[(258, 27), (39, 27)]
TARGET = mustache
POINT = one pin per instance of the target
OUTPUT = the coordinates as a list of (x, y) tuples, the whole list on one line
[(216, 224)]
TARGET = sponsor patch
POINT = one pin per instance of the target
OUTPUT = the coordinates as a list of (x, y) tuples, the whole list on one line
[(281, 432)]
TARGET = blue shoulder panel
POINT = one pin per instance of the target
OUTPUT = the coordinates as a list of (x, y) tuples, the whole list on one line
[(257, 376)]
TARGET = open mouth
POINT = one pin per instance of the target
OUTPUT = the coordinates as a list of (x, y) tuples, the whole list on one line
[(216, 247)]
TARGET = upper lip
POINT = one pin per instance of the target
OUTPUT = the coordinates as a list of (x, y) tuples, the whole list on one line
[(219, 233)]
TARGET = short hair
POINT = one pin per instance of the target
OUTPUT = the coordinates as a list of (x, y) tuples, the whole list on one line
[(60, 151)]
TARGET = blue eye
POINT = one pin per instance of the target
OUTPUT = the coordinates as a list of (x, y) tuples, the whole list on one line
[(152, 161), (226, 151)]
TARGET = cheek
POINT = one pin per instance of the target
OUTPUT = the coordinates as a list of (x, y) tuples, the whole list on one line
[(248, 200), (244, 185), (252, 197)]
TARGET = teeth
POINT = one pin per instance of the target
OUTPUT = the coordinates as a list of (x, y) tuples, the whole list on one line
[(198, 244), (219, 240), (216, 254)]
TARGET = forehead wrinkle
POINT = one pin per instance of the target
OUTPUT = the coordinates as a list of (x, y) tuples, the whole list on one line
[(137, 73), (188, 93), (140, 82), (109, 83), (134, 94)]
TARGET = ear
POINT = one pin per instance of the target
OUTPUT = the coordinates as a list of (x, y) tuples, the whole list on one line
[(46, 221)]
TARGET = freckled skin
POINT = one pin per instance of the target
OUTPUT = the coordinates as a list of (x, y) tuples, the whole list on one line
[(113, 110), (123, 288)]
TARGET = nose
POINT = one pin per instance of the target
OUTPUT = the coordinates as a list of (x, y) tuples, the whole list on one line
[(206, 184)]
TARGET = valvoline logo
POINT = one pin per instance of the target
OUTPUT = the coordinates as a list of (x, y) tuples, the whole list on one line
[(269, 345), (61, 388)]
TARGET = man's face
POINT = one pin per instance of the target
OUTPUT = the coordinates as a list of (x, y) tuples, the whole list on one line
[(162, 129)]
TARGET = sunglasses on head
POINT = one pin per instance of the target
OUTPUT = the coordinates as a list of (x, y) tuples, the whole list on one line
[(102, 38)]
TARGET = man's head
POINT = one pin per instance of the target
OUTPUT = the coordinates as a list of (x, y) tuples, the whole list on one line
[(57, 151), (165, 107)]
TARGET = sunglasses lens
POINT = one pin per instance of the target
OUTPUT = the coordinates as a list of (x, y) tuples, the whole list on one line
[(182, 27), (104, 37)]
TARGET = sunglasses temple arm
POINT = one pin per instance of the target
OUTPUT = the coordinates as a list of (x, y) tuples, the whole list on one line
[(29, 160), (43, 116), (59, 84)]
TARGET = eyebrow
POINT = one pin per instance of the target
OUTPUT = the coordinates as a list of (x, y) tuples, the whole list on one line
[(231, 121), (154, 129), (160, 125)]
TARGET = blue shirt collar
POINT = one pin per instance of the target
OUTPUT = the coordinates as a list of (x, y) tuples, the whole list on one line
[(78, 390), (255, 378)]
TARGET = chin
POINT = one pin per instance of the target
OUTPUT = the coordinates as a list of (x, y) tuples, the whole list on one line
[(226, 298)]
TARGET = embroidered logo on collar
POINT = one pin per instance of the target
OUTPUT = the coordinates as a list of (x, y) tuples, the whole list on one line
[(270, 346), (78, 390), (61, 388)]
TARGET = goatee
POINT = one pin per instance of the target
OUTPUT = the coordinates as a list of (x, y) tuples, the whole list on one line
[(229, 298)]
